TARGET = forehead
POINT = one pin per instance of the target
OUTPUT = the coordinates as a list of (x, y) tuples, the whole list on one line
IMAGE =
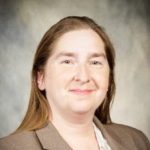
[(79, 41)]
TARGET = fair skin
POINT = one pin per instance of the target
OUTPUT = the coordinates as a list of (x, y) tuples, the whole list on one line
[(76, 79)]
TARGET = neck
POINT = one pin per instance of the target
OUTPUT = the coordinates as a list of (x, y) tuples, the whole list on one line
[(77, 125), (77, 131)]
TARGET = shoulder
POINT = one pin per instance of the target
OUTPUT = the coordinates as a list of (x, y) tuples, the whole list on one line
[(124, 129), (20, 141), (127, 133)]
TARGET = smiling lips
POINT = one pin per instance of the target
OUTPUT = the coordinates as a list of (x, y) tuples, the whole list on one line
[(82, 91)]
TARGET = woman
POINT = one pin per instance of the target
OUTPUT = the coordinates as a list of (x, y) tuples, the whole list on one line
[(72, 89)]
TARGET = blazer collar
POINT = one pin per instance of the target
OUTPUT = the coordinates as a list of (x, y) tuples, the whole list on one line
[(113, 142), (50, 138)]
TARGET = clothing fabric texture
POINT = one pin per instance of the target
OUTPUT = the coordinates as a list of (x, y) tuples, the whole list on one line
[(119, 137)]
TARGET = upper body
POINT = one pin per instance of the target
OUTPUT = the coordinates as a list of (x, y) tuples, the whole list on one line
[(73, 81), (119, 137)]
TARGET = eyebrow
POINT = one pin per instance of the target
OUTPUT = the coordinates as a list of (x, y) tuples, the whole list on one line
[(70, 54), (98, 55)]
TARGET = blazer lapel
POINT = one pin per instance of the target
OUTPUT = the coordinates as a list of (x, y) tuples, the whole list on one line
[(113, 143), (50, 139)]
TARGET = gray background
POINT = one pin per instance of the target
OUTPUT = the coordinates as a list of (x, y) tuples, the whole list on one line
[(23, 23)]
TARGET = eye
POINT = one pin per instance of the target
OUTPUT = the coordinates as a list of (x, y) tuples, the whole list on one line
[(67, 61), (95, 62)]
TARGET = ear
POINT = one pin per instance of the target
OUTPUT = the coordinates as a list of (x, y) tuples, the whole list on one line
[(40, 80)]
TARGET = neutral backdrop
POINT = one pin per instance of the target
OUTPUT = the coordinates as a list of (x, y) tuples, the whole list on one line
[(127, 22)]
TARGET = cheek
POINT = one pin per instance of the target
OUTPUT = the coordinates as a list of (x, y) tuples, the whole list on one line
[(105, 80), (65, 74), (58, 77), (102, 79)]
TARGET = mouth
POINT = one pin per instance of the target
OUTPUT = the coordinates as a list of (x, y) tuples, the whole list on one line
[(81, 91)]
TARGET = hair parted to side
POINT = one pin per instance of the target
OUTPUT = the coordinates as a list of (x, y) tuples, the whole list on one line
[(38, 113)]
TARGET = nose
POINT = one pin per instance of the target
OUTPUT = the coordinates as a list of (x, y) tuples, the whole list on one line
[(82, 74)]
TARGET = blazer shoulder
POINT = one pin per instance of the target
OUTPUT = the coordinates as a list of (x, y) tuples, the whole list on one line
[(20, 141), (124, 132)]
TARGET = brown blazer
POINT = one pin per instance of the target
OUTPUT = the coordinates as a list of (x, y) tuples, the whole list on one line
[(119, 137)]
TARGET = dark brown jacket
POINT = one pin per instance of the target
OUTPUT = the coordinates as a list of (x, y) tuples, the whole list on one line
[(119, 137)]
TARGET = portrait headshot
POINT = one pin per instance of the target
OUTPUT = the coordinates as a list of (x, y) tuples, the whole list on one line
[(72, 100)]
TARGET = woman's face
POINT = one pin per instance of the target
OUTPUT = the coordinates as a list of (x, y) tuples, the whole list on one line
[(76, 75)]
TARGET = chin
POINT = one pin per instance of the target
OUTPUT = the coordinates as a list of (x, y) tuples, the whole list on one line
[(83, 110)]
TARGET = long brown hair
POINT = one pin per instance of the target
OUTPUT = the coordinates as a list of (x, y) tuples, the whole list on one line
[(38, 112)]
